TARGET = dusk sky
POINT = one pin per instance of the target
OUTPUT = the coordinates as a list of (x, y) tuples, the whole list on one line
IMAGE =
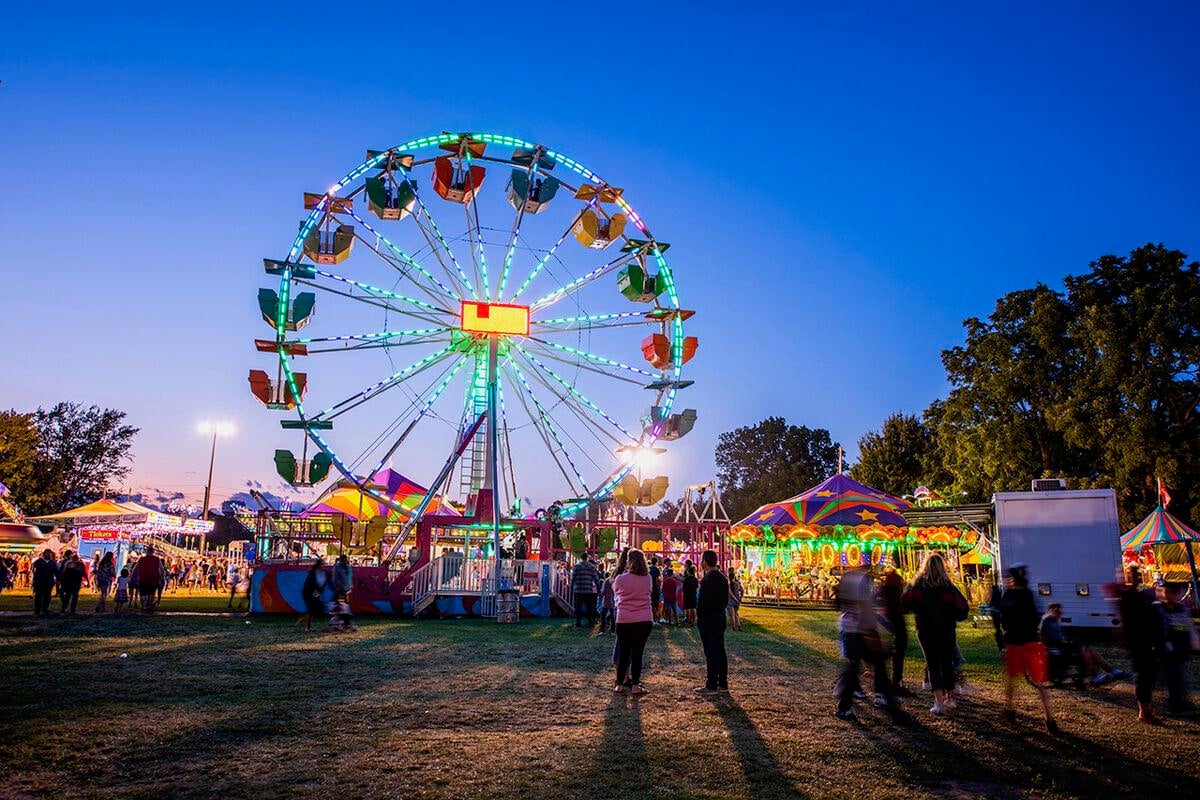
[(840, 187)]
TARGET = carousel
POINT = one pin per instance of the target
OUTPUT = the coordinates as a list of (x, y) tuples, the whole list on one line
[(1162, 545), (798, 548)]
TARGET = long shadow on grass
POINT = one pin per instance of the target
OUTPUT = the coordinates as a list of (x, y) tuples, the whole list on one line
[(622, 764), (764, 776)]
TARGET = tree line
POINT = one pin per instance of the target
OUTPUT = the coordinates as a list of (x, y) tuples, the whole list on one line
[(1097, 382), (62, 457)]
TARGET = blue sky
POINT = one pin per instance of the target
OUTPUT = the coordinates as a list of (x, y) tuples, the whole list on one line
[(841, 187)]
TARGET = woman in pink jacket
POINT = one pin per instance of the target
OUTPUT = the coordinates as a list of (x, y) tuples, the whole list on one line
[(634, 621)]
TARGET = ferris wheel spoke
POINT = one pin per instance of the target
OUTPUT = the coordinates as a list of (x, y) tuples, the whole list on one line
[(541, 264), (564, 383), (580, 319), (405, 258), (506, 443), (577, 284), (548, 350), (584, 415), (516, 230), (376, 389), (400, 419), (437, 232), (419, 333), (378, 292), (544, 416), (476, 239), (376, 301), (428, 404)]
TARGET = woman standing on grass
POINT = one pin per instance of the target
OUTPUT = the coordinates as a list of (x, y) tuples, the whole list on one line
[(634, 621), (106, 573), (938, 606)]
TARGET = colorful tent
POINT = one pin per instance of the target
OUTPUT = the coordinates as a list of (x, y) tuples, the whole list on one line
[(358, 506), (100, 512), (837, 501), (1160, 527)]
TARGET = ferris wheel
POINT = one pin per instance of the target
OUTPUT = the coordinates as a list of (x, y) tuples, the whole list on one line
[(487, 305)]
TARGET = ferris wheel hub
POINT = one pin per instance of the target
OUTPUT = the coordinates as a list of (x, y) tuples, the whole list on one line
[(494, 318)]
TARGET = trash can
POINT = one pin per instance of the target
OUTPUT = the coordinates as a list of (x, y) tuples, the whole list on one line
[(508, 605)]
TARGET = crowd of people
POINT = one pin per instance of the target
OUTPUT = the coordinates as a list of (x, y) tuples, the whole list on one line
[(138, 583), (873, 628)]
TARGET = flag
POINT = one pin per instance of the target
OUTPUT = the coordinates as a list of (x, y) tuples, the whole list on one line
[(1163, 496)]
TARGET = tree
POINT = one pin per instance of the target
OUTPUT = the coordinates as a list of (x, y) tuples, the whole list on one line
[(900, 457), (1136, 395), (1011, 382), (771, 461), (81, 450), (18, 456)]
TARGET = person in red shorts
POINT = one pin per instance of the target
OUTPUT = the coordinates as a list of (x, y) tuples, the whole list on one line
[(1024, 654)]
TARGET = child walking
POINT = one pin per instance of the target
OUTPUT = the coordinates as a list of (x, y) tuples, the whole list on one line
[(122, 595)]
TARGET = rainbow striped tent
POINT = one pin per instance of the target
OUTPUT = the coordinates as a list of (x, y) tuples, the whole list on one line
[(837, 501), (1160, 527)]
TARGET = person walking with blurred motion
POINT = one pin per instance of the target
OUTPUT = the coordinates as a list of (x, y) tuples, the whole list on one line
[(712, 603), (70, 580), (313, 592), (1024, 653), (1179, 642), (635, 619), (938, 606), (105, 574), (1143, 639), (891, 589), (859, 625), (45, 578)]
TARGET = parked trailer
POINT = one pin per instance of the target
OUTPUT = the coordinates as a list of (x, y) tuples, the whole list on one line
[(1071, 543)]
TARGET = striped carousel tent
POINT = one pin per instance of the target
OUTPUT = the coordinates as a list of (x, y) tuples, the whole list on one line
[(1160, 527), (1170, 540)]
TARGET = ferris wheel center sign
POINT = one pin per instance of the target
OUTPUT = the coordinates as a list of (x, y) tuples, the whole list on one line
[(495, 318)]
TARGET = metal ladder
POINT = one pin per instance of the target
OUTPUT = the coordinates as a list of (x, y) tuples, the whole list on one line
[(472, 466)]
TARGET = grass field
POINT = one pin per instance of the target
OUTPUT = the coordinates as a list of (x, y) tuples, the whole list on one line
[(233, 707)]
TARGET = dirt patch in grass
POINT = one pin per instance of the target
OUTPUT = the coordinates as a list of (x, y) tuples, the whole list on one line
[(215, 707)]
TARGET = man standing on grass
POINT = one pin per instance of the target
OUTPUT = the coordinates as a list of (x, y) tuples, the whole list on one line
[(655, 590), (149, 578), (45, 575), (710, 622), (585, 584)]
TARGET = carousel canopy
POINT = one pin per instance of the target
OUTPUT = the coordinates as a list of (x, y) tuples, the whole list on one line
[(355, 504), (838, 501), (1160, 527)]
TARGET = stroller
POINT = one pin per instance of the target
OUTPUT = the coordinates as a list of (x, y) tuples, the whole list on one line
[(341, 618)]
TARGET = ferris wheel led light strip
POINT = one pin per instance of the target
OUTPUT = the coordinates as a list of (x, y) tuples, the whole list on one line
[(318, 213)]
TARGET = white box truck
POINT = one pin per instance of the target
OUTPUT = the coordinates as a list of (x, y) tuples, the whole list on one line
[(1071, 543)]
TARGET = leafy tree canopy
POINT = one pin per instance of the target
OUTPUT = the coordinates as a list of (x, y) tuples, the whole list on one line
[(770, 461)]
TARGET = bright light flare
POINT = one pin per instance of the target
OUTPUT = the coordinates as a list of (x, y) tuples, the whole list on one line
[(639, 456), (217, 427)]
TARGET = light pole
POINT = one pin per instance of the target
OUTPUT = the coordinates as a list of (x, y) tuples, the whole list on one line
[(216, 429)]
